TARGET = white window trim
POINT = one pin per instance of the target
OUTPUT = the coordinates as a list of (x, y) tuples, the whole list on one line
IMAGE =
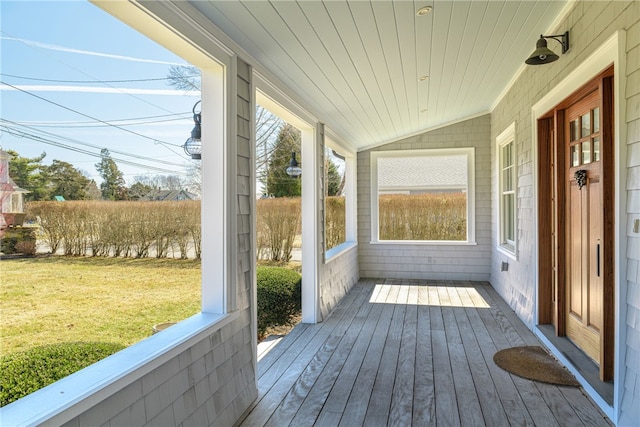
[(471, 208), (350, 202), (507, 136), (73, 395)]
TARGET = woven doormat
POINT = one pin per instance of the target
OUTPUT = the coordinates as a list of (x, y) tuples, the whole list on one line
[(534, 363)]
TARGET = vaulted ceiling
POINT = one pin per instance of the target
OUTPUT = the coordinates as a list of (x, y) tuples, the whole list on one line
[(377, 71)]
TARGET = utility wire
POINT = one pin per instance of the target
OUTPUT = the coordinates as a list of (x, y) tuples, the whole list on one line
[(65, 122), (67, 125), (43, 140), (86, 115), (86, 74), (84, 81), (87, 144)]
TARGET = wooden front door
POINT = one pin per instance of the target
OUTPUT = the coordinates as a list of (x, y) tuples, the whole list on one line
[(576, 220), (584, 290)]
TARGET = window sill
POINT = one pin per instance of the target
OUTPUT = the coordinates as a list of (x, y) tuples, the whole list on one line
[(73, 395), (334, 253), (424, 242), (511, 253)]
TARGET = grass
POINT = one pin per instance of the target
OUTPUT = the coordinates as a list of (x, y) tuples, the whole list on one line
[(47, 300)]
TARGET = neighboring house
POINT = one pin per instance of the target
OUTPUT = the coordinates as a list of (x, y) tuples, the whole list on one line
[(410, 175), (552, 154), (11, 196), (169, 196)]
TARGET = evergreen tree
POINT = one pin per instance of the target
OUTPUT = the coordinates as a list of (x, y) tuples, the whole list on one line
[(112, 186), (27, 173), (334, 178), (278, 183), (65, 180)]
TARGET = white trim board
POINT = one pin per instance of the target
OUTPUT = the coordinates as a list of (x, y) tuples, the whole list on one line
[(610, 52)]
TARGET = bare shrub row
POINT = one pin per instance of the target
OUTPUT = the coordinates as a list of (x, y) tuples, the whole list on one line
[(334, 221), (278, 224), (127, 229), (168, 229), (428, 216)]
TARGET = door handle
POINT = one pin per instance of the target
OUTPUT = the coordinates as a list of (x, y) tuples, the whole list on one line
[(598, 259)]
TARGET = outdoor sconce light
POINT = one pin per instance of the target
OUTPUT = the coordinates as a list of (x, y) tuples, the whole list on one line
[(193, 145), (544, 55), (294, 170)]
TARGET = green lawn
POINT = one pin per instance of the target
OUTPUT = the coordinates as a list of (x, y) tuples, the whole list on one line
[(57, 299)]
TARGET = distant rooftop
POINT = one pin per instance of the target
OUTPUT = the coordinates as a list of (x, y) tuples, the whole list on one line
[(435, 172)]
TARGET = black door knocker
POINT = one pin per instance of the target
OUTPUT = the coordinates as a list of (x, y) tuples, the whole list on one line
[(581, 178)]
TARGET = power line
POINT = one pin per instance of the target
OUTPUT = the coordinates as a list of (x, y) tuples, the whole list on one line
[(82, 72), (71, 125), (84, 81), (43, 140), (187, 114), (87, 144), (85, 115)]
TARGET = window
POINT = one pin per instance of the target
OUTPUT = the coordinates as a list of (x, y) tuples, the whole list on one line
[(334, 199), (423, 196), (506, 151)]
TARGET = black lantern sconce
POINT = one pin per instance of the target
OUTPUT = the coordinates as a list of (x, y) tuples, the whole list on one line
[(294, 170), (544, 55), (193, 145)]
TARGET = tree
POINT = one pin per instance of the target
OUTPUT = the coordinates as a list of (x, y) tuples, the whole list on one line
[(334, 178), (65, 180), (27, 174), (112, 179), (92, 191), (268, 126), (278, 183), (184, 78), (138, 190)]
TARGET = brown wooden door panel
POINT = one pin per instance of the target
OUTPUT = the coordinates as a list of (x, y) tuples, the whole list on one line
[(595, 248), (576, 226)]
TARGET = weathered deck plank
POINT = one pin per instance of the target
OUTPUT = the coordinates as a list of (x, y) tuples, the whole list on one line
[(410, 353)]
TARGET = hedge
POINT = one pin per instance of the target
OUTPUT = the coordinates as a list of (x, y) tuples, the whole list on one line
[(25, 372), (279, 297)]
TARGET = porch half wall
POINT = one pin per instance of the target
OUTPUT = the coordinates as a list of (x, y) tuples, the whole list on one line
[(422, 260), (591, 24), (212, 381)]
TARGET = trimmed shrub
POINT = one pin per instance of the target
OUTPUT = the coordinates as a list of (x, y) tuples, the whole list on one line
[(334, 221), (120, 229), (21, 240), (279, 297), (427, 216), (278, 223), (25, 372)]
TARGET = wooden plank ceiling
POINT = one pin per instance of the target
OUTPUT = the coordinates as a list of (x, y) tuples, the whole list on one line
[(359, 64)]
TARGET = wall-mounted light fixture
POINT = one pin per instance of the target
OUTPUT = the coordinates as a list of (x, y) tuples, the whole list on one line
[(544, 55), (193, 145), (294, 170)]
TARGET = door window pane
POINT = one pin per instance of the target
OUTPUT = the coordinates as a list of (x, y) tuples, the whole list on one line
[(596, 149), (586, 152), (575, 155), (586, 125), (574, 130)]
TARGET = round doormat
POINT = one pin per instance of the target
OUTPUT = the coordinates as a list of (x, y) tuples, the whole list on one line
[(534, 363)]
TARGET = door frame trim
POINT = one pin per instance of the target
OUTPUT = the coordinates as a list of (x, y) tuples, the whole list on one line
[(612, 51)]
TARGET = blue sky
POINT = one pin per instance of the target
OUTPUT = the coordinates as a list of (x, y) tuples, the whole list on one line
[(73, 54)]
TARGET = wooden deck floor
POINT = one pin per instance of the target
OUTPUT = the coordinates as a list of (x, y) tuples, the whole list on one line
[(410, 353)]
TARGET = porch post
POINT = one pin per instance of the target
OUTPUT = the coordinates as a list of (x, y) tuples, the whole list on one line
[(311, 223)]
